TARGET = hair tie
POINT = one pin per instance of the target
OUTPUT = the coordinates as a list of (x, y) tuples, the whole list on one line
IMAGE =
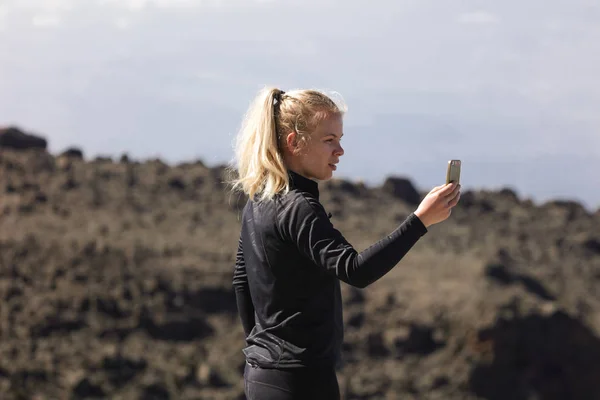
[(279, 95)]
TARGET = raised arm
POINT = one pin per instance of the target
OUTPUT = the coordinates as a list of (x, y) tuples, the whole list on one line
[(306, 225)]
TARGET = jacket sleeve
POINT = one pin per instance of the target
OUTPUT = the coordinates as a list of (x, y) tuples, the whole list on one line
[(307, 226), (242, 291)]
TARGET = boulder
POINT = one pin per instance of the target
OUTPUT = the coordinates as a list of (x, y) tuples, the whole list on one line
[(14, 138), (402, 188), (73, 152)]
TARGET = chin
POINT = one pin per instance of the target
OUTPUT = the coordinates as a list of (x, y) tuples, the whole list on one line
[(323, 175), (326, 176)]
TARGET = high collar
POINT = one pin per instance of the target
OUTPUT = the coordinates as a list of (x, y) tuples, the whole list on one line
[(298, 181)]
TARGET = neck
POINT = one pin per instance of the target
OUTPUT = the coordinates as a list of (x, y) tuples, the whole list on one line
[(294, 167)]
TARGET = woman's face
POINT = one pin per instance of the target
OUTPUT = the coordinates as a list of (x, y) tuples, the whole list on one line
[(317, 158)]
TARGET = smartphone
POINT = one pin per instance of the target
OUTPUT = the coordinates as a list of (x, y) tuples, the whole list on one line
[(453, 172)]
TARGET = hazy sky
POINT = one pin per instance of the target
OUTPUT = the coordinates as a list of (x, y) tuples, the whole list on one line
[(512, 88)]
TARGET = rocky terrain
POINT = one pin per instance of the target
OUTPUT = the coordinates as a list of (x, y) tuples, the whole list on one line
[(115, 283)]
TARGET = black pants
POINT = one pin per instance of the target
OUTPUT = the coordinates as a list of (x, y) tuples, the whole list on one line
[(290, 384)]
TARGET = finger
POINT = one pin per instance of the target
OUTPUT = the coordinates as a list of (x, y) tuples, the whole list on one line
[(454, 192), (436, 189), (449, 200), (447, 188), (454, 201)]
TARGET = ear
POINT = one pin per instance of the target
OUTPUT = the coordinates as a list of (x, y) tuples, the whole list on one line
[(291, 141)]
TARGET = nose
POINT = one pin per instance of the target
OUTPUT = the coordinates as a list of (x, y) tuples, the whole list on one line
[(339, 151)]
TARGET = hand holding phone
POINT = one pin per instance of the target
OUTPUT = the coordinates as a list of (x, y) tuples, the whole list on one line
[(438, 203)]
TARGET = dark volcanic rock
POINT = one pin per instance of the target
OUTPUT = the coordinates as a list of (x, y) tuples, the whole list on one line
[(402, 188), (73, 152), (115, 282), (14, 138), (550, 358)]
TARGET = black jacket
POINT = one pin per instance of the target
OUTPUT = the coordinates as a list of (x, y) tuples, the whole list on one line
[(289, 263)]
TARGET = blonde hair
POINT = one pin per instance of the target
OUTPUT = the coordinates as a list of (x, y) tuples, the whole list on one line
[(261, 171)]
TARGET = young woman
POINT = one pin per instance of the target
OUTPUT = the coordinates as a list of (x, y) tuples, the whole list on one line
[(290, 259)]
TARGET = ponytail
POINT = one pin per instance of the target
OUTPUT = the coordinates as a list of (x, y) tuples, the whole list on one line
[(260, 167)]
